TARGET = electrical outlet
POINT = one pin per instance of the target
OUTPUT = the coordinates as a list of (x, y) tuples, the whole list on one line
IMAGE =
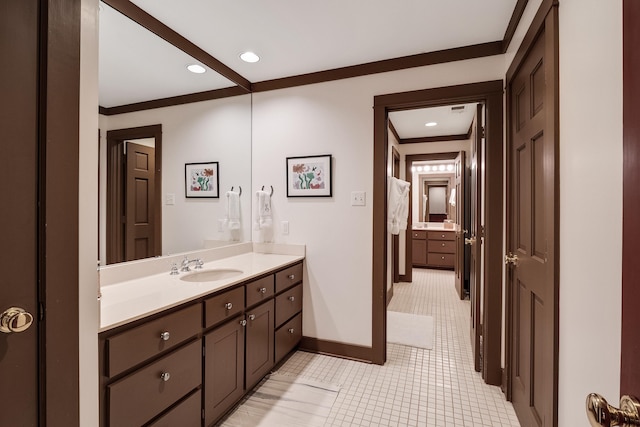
[(358, 198), (285, 227)]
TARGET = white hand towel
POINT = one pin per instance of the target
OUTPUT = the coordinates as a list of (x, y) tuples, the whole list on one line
[(397, 205), (263, 211), (233, 210)]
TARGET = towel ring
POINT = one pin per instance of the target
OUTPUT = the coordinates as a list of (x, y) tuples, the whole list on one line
[(271, 189), (240, 193)]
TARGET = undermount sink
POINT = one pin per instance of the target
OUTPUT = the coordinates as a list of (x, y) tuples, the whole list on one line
[(211, 275)]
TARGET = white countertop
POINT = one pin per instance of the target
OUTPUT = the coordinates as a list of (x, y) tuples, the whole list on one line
[(134, 299), (433, 229)]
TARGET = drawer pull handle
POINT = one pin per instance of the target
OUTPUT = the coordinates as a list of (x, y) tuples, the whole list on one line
[(443, 236), (291, 276), (443, 245), (262, 290), (291, 330), (252, 317), (442, 257), (165, 376), (243, 322), (228, 306), (165, 336), (292, 298)]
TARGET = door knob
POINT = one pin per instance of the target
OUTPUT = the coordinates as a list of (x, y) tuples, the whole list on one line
[(600, 413), (15, 319), (470, 241), (511, 259)]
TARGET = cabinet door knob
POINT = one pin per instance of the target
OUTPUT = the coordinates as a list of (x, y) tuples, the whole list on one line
[(262, 290), (252, 317), (165, 336), (292, 276), (243, 322), (292, 298), (291, 330), (228, 306), (443, 245), (165, 376), (442, 257)]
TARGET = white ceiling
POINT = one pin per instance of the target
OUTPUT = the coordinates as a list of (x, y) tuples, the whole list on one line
[(292, 37), (411, 123)]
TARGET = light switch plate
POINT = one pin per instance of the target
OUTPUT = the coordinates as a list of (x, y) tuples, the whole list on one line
[(170, 199), (285, 227), (358, 198)]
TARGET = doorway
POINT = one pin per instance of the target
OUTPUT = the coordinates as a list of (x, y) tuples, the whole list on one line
[(489, 93), (134, 188)]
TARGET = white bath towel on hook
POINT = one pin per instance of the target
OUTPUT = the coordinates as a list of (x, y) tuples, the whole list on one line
[(263, 214)]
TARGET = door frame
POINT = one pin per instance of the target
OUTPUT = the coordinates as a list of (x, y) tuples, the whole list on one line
[(546, 18), (491, 93), (630, 364), (115, 172)]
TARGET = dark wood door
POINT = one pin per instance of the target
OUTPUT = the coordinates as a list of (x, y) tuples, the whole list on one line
[(18, 215), (140, 202), (260, 352), (223, 368), (460, 174), (475, 238), (531, 220), (630, 362)]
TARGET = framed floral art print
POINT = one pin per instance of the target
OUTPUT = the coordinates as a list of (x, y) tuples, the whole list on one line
[(201, 180), (309, 176)]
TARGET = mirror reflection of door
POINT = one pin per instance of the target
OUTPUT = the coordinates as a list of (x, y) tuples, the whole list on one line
[(134, 189)]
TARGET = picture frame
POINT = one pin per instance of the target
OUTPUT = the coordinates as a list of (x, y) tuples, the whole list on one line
[(202, 180), (309, 176)]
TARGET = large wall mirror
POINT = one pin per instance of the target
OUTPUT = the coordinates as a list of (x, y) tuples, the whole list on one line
[(137, 66)]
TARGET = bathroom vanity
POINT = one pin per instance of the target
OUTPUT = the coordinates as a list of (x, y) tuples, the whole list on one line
[(188, 361), (433, 247)]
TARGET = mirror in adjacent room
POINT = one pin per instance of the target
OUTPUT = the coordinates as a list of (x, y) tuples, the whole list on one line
[(137, 66), (434, 188)]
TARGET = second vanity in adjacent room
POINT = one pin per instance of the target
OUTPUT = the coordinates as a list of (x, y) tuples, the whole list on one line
[(433, 245), (175, 350)]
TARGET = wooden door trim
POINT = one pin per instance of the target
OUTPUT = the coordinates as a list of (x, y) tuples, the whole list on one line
[(59, 107), (115, 232), (408, 162), (396, 238), (546, 19), (629, 373), (490, 93)]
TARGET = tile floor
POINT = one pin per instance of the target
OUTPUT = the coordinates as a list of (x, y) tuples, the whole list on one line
[(416, 387)]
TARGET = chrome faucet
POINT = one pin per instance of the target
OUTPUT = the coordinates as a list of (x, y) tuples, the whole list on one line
[(187, 262)]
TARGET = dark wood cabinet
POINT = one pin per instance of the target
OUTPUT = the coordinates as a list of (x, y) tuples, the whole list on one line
[(223, 368), (190, 365), (259, 342), (434, 249)]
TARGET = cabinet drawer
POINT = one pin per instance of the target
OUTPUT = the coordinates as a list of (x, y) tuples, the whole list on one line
[(186, 414), (288, 337), (136, 345), (442, 235), (288, 304), (441, 260), (223, 306), (138, 397), (288, 277), (259, 290), (444, 246), (420, 235)]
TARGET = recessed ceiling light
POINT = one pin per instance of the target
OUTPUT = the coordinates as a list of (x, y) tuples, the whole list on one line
[(430, 124), (196, 68), (249, 57)]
